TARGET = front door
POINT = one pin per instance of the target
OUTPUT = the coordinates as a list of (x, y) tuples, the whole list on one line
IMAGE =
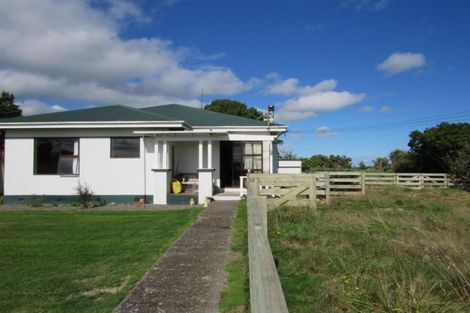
[(236, 158), (231, 167)]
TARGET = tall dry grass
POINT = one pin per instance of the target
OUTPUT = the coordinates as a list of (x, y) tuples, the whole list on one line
[(394, 250)]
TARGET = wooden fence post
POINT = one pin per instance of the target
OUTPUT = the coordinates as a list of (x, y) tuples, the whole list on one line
[(363, 183), (312, 193), (421, 181), (395, 179), (327, 187)]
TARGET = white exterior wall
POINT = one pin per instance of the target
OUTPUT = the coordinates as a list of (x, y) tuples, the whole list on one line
[(290, 167), (106, 176)]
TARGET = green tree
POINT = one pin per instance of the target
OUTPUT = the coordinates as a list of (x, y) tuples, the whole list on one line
[(402, 161), (458, 164), (322, 162), (8, 108), (431, 148), (381, 164), (339, 162), (288, 155), (233, 107), (362, 166)]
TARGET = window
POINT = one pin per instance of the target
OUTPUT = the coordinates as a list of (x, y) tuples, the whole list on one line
[(253, 157), (56, 156), (125, 147)]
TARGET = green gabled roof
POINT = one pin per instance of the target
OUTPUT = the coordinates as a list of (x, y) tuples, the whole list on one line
[(194, 117), (112, 113), (198, 117)]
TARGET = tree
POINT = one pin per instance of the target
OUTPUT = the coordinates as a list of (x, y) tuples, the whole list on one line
[(431, 148), (8, 108), (323, 162), (362, 166), (288, 155), (458, 164), (381, 164), (233, 107), (402, 161)]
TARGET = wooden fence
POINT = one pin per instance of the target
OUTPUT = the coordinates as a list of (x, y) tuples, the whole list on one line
[(329, 184), (266, 294)]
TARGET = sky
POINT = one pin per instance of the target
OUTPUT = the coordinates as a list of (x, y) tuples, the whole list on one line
[(349, 77)]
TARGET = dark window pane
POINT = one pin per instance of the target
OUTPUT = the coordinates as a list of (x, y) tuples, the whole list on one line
[(56, 156), (47, 156), (125, 147), (67, 146)]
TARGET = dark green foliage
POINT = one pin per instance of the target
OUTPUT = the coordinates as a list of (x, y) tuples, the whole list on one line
[(8, 108), (433, 146), (402, 161), (382, 164), (322, 162), (233, 107), (459, 166)]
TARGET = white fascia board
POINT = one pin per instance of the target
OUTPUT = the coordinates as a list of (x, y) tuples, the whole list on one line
[(113, 124), (245, 128), (251, 137), (179, 132)]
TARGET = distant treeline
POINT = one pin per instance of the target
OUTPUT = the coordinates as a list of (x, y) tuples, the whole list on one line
[(444, 148)]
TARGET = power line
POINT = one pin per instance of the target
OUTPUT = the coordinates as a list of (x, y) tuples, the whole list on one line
[(422, 121)]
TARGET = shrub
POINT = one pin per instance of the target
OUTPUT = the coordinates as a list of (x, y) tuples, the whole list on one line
[(85, 195)]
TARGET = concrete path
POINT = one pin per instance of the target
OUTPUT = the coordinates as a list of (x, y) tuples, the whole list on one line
[(189, 277)]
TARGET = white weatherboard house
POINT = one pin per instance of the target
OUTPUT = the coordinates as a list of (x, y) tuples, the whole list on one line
[(125, 154)]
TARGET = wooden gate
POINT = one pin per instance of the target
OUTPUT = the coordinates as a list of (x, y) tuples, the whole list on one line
[(286, 189)]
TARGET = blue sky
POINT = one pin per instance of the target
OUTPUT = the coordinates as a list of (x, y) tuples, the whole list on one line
[(326, 65)]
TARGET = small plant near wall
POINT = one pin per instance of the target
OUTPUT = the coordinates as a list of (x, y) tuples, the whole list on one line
[(85, 195)]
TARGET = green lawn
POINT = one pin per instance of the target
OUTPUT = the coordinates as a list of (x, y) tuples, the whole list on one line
[(80, 261), (394, 250), (235, 298)]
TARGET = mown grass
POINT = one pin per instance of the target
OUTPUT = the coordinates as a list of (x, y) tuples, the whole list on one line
[(235, 298), (393, 250), (79, 261)]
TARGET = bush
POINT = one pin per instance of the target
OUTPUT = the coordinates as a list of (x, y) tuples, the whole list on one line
[(85, 195), (459, 167)]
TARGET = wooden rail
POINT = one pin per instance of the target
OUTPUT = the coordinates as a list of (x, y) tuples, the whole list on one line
[(302, 189), (266, 294)]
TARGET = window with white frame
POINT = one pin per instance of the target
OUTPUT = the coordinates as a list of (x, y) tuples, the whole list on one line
[(253, 157), (56, 156)]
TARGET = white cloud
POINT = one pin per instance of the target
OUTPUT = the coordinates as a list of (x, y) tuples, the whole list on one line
[(308, 100), (284, 87), (399, 62), (121, 9), (31, 107), (324, 131), (71, 50), (361, 5), (386, 109), (367, 109)]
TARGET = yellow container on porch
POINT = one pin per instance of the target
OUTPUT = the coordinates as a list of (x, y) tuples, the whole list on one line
[(176, 186)]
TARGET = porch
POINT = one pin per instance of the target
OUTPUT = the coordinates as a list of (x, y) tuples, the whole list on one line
[(205, 168)]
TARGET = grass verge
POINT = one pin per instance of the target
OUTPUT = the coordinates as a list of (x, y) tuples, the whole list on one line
[(394, 250), (80, 261), (235, 298)]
